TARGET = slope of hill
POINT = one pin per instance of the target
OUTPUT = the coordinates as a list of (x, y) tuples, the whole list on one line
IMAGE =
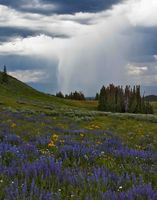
[(17, 94)]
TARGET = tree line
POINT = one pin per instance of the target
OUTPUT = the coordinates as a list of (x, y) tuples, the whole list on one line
[(118, 99), (73, 95)]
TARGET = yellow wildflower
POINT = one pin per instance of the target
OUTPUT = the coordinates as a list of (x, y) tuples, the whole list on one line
[(13, 125), (81, 134), (54, 137), (98, 142), (51, 144)]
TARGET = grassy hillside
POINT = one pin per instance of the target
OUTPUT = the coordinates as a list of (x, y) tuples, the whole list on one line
[(17, 94), (16, 90)]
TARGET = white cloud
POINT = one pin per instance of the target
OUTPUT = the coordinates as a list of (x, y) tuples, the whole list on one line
[(135, 70), (29, 76), (142, 74), (35, 45), (155, 56), (37, 4), (143, 12)]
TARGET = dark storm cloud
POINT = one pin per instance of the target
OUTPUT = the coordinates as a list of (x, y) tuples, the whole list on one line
[(144, 45), (7, 33), (14, 62), (10, 2), (71, 6), (150, 40), (68, 6), (143, 59)]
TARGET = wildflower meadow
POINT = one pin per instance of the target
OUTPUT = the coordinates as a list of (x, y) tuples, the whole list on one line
[(45, 157)]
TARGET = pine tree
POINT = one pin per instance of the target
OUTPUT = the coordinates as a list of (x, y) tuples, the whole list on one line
[(60, 95), (102, 99), (97, 96), (4, 75)]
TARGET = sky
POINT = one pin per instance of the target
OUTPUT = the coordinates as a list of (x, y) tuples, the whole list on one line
[(67, 45)]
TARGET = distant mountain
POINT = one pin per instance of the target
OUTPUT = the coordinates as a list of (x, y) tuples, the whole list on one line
[(151, 98)]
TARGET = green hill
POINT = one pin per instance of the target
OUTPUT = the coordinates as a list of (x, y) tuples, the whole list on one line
[(16, 94), (16, 88)]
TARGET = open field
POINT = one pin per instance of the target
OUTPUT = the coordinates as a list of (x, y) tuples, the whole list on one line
[(155, 107), (56, 149)]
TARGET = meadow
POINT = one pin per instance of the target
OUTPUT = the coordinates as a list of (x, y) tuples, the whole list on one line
[(62, 149)]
